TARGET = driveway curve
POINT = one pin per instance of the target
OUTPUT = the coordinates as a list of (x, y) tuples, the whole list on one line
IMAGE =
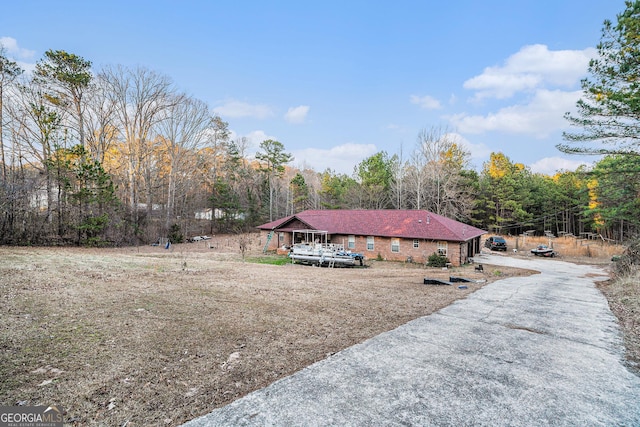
[(542, 350)]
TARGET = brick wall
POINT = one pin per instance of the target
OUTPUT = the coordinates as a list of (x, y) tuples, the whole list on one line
[(276, 241), (382, 247), (456, 252)]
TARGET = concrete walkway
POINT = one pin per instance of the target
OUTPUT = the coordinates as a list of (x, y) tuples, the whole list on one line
[(526, 351)]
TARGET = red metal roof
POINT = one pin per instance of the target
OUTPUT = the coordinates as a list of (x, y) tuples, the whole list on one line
[(409, 224)]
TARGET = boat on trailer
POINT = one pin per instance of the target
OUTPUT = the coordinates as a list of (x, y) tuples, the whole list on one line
[(314, 249), (544, 250)]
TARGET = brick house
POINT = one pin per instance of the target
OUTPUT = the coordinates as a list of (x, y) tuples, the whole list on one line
[(395, 235)]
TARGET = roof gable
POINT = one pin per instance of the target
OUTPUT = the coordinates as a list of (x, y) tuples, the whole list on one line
[(410, 224)]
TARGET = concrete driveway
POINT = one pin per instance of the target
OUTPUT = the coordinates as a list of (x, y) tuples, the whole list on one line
[(542, 350)]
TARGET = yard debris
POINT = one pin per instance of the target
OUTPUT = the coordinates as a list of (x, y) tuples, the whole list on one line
[(429, 281), (192, 392), (47, 369), (231, 360), (454, 279), (198, 238)]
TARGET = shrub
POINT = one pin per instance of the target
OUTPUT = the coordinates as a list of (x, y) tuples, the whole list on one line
[(436, 260), (628, 262), (175, 235)]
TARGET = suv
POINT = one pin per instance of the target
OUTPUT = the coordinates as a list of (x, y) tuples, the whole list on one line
[(496, 243)]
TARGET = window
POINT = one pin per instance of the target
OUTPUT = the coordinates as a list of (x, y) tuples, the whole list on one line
[(395, 245), (351, 244), (369, 243), (442, 248), (416, 243)]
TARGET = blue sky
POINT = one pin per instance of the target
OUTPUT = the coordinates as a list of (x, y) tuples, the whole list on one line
[(338, 81)]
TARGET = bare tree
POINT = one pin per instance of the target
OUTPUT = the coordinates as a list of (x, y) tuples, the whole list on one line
[(435, 174), (37, 129), (217, 152), (415, 176), (140, 96), (9, 71), (100, 120), (9, 193), (183, 132)]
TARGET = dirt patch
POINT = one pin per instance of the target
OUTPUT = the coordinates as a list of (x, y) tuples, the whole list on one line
[(154, 336)]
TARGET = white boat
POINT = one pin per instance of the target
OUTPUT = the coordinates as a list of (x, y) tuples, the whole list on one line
[(314, 249), (543, 250)]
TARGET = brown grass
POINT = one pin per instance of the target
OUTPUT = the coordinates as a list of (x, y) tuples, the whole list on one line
[(576, 250), (147, 336), (623, 295)]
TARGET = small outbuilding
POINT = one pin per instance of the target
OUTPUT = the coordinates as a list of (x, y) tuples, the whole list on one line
[(395, 235)]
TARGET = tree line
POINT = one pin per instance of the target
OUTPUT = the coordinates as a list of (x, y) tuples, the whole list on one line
[(121, 156)]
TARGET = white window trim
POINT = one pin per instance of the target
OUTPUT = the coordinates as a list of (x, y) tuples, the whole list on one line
[(371, 241), (442, 247), (351, 241)]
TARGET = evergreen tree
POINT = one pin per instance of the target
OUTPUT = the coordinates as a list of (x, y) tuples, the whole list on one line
[(299, 193), (274, 159), (85, 193), (334, 190), (503, 187), (609, 110), (375, 174), (615, 190), (66, 77)]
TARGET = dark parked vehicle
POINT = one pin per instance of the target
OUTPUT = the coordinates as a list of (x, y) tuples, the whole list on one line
[(496, 243)]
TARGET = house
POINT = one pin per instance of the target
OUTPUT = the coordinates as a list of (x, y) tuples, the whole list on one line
[(217, 214), (396, 235)]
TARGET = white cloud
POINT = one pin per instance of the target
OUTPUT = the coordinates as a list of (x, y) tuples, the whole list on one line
[(425, 102), (532, 67), (341, 158), (236, 109), (254, 139), (551, 165), (543, 115), (258, 136), (17, 52), (479, 152), (297, 114)]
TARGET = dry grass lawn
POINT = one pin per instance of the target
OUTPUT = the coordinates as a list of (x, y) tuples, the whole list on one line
[(148, 336), (568, 248)]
